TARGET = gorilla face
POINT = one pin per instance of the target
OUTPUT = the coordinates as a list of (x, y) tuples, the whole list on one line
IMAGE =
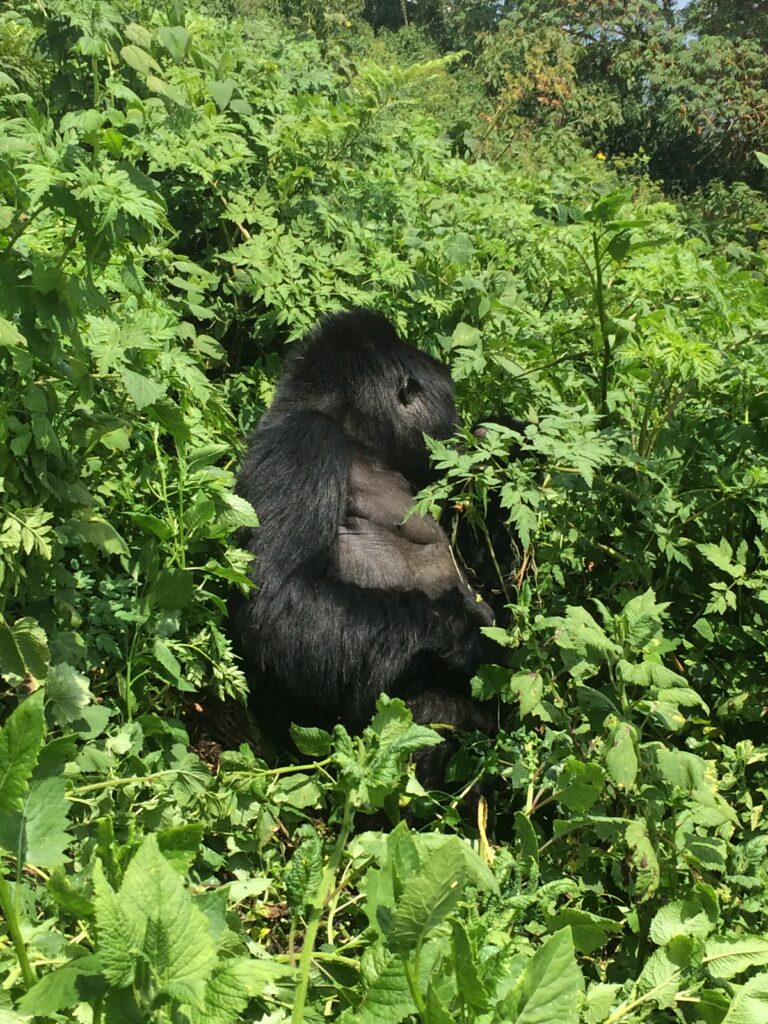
[(385, 393)]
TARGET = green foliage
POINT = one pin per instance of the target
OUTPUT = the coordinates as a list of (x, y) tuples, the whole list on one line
[(632, 77), (181, 194)]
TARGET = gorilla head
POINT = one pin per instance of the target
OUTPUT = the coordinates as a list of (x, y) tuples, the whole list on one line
[(383, 392)]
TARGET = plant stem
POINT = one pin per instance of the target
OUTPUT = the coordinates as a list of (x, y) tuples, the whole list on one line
[(413, 985), (10, 910), (316, 913), (600, 302)]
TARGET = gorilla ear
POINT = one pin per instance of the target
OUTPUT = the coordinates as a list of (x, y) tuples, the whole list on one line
[(409, 389)]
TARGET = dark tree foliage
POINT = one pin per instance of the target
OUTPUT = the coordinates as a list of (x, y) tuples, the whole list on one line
[(353, 598), (688, 88), (747, 18)]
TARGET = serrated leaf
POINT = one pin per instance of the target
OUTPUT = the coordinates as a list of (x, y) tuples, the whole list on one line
[(660, 979), (388, 998), (311, 741), (429, 897), (23, 648), (232, 985), (590, 931), (468, 983), (64, 894), (9, 336), (721, 556), (143, 390), (600, 1000), (138, 35), (167, 659), (618, 247), (681, 917), (153, 916), (21, 740), (68, 693), (239, 512), (46, 839), (121, 932), (303, 875), (579, 785)]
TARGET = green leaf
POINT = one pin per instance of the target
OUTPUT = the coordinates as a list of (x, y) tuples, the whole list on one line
[(175, 39), (436, 1012), (68, 693), (232, 985), (23, 648), (468, 983), (153, 919), (661, 978), (86, 528), (750, 1004), (727, 957), (304, 873), (579, 785), (600, 1001), (621, 756), (762, 158), (618, 247), (311, 741), (79, 981), (21, 740), (429, 897), (143, 390), (387, 998), (37, 834), (66, 896), (139, 60), (221, 92), (138, 35), (643, 859), (590, 931), (167, 659), (721, 556), (9, 336), (173, 588), (550, 988), (681, 917), (526, 845)]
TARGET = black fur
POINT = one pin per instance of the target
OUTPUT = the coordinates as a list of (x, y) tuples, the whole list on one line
[(353, 600)]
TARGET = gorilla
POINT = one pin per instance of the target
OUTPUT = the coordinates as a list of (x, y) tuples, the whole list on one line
[(354, 598)]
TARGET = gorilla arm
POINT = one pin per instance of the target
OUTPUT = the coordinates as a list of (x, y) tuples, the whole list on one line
[(334, 644)]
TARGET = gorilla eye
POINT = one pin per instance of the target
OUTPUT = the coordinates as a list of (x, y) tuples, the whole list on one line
[(408, 391)]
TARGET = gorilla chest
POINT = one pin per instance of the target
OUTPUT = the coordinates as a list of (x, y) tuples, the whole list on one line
[(378, 547)]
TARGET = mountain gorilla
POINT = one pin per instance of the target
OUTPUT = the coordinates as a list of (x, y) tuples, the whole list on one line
[(353, 599)]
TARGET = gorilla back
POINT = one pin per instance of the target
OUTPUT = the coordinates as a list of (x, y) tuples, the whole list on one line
[(352, 600)]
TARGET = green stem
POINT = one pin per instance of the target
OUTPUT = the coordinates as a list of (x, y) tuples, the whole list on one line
[(94, 787), (600, 301), (413, 985), (10, 909), (316, 913)]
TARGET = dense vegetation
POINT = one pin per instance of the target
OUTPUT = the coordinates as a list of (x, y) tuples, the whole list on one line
[(182, 193)]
